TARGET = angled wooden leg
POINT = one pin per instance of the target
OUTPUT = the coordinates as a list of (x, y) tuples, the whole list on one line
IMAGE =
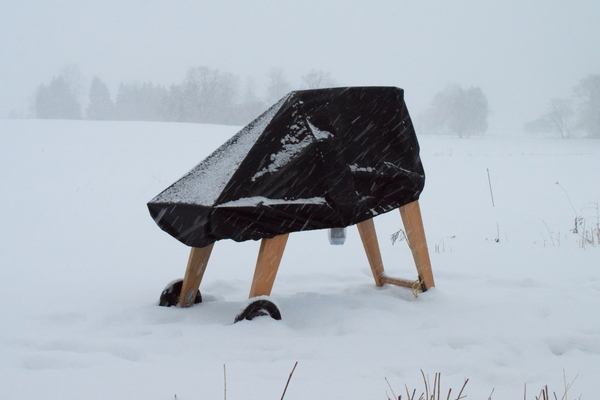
[(368, 235), (193, 274), (413, 225), (267, 264)]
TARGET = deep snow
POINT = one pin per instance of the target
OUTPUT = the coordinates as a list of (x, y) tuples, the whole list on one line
[(82, 265)]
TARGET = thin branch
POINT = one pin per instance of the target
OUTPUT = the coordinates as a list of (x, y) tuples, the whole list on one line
[(224, 383), (408, 394), (426, 385), (390, 386), (461, 390), (288, 381), (490, 183), (568, 198)]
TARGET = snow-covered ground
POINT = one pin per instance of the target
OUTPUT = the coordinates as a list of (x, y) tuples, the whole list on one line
[(82, 265)]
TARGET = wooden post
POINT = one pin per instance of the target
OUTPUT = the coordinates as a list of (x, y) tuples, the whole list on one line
[(194, 272), (415, 233), (366, 229), (267, 264)]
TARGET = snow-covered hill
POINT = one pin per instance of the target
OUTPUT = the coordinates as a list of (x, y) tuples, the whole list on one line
[(82, 265)]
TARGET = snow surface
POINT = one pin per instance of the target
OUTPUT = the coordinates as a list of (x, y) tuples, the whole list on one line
[(82, 265), (256, 200), (318, 133), (214, 172)]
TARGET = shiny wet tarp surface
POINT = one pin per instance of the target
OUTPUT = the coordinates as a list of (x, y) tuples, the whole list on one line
[(317, 159)]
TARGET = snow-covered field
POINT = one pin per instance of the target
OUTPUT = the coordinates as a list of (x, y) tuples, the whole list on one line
[(82, 265)]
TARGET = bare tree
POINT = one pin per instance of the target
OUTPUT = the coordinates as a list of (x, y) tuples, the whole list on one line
[(251, 105), (560, 116), (140, 102), (278, 85), (588, 92), (210, 95), (317, 79), (458, 111)]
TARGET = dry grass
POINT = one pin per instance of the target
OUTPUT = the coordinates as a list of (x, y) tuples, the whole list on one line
[(588, 228), (434, 391), (225, 382)]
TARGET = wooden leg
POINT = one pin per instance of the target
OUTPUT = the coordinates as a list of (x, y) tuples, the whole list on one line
[(267, 264), (366, 229), (193, 274), (413, 225)]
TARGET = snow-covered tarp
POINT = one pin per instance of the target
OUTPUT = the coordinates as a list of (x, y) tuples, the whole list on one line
[(316, 159)]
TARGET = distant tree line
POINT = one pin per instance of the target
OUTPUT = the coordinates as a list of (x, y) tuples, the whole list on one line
[(204, 96), (568, 116), (212, 96)]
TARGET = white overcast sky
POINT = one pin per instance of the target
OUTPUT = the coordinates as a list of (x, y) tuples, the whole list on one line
[(521, 53)]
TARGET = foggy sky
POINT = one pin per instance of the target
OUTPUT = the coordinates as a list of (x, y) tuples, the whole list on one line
[(521, 53)]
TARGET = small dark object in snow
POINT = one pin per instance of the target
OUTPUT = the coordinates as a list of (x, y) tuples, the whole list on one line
[(337, 236), (259, 308), (170, 295)]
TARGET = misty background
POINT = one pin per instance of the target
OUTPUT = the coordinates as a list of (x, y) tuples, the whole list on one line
[(520, 62)]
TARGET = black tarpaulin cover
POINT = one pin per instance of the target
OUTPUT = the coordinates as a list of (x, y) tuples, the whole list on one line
[(317, 159)]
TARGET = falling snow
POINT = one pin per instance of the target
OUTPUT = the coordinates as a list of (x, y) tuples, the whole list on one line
[(83, 267)]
